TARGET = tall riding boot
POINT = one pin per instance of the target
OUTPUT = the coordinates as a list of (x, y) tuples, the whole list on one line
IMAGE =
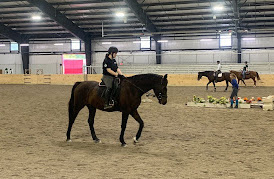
[(231, 103), (237, 104), (106, 98)]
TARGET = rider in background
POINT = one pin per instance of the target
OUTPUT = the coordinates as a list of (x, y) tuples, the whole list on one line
[(218, 70), (245, 70), (235, 88), (110, 71)]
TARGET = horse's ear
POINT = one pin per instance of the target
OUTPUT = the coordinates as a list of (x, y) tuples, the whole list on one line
[(165, 76)]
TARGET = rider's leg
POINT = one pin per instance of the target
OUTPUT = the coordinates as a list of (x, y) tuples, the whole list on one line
[(108, 80)]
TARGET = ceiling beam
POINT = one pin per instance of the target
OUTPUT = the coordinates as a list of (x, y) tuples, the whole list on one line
[(60, 18), (141, 15), (11, 34), (235, 7)]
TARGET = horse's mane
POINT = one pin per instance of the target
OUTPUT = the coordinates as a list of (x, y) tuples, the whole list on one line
[(146, 77), (206, 71)]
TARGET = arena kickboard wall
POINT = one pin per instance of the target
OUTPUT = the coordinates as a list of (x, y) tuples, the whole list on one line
[(173, 79)]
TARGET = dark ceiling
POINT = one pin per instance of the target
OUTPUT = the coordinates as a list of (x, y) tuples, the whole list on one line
[(163, 17)]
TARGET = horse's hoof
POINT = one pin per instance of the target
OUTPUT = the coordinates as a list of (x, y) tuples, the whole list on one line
[(69, 140), (135, 140), (97, 141), (123, 145)]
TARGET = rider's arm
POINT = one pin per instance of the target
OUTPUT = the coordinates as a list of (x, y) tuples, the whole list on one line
[(112, 72), (119, 71)]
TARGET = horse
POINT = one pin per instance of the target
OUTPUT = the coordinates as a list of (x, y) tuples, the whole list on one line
[(89, 93), (211, 78), (250, 74)]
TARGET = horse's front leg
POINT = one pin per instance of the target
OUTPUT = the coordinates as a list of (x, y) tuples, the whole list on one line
[(244, 82), (137, 117), (207, 85), (214, 86), (92, 112), (123, 128), (254, 81), (226, 85)]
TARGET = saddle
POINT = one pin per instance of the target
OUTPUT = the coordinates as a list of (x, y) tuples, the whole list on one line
[(220, 74), (115, 93)]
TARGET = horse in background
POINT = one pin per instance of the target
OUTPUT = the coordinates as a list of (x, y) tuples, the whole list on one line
[(211, 78), (89, 94), (250, 75)]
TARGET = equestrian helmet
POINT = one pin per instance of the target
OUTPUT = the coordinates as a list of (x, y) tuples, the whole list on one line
[(112, 50)]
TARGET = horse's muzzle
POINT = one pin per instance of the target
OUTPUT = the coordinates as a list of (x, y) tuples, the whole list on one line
[(163, 101)]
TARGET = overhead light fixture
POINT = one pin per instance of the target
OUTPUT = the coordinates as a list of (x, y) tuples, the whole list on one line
[(36, 17), (218, 8), (24, 45), (248, 38), (58, 44), (105, 43), (162, 41), (120, 14), (2, 45), (205, 40), (136, 42)]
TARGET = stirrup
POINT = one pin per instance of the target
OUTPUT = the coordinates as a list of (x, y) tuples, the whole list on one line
[(111, 102), (107, 106)]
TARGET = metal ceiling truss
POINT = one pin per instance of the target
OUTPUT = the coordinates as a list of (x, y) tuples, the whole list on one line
[(60, 18), (9, 33)]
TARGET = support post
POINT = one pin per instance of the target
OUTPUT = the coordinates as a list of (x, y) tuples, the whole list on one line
[(88, 51), (158, 50), (25, 57), (239, 47)]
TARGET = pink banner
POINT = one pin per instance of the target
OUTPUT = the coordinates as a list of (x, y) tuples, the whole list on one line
[(73, 66)]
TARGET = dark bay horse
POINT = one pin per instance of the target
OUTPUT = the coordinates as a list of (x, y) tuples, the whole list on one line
[(250, 74), (211, 77), (89, 94)]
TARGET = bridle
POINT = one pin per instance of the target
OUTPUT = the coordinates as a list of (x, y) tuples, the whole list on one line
[(159, 96)]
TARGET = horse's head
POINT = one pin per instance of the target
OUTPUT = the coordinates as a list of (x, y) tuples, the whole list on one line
[(199, 75), (160, 90)]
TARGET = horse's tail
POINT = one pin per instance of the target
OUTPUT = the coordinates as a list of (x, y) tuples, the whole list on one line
[(258, 77), (71, 101)]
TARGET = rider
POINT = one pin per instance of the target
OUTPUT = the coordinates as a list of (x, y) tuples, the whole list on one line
[(245, 70), (110, 71), (218, 70)]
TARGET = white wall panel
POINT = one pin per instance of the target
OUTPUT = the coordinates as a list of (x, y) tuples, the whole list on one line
[(190, 44), (49, 63), (11, 61), (258, 42), (49, 47), (182, 57), (5, 48), (127, 57)]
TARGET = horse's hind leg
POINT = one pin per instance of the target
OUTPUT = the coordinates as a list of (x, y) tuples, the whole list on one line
[(92, 112), (72, 116), (137, 117), (123, 128)]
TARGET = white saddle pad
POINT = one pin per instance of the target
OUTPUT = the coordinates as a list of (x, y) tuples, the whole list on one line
[(220, 74)]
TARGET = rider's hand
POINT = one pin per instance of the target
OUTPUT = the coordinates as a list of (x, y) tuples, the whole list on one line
[(121, 76)]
